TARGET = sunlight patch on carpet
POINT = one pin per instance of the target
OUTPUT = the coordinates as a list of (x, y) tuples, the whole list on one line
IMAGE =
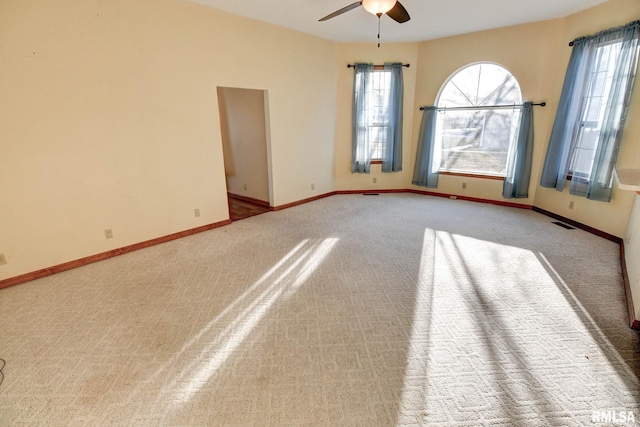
[(244, 315)]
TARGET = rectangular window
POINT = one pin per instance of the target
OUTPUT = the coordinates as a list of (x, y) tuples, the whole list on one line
[(377, 114), (594, 107), (377, 117)]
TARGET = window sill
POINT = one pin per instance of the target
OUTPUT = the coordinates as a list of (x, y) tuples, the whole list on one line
[(473, 175), (376, 162)]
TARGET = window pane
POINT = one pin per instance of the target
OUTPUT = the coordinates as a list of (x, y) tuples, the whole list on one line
[(480, 84), (584, 153), (378, 138), (378, 112), (476, 140)]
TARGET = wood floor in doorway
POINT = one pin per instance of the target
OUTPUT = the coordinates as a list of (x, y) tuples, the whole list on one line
[(242, 208)]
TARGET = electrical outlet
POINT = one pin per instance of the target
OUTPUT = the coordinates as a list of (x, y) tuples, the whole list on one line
[(108, 233), (196, 212), (571, 203), (375, 180), (313, 186), (464, 185), (245, 186), (3, 259)]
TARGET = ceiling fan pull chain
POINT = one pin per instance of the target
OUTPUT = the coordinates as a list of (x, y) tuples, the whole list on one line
[(379, 15)]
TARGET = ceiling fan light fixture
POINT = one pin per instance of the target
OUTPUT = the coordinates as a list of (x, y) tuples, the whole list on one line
[(378, 7)]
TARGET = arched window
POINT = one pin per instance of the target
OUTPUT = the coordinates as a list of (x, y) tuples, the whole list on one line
[(475, 123)]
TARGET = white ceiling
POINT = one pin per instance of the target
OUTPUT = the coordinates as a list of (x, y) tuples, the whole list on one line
[(430, 19)]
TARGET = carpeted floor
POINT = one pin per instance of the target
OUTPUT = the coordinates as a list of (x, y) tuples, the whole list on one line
[(390, 310)]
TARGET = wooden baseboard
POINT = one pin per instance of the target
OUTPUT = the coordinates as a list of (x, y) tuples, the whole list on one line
[(401, 190), (605, 235), (472, 199), (249, 200), (433, 193), (105, 255), (302, 202), (633, 322)]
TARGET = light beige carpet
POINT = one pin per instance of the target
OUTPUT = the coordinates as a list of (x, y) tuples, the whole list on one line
[(386, 310)]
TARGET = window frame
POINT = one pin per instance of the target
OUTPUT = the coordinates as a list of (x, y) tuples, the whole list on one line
[(378, 160), (471, 173), (584, 113)]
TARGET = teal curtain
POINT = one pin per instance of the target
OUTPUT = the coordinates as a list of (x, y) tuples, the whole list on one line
[(561, 144), (424, 172), (392, 154), (360, 143), (518, 171), (574, 110)]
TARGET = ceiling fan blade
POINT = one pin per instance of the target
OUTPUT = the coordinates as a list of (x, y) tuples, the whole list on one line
[(398, 13), (341, 11)]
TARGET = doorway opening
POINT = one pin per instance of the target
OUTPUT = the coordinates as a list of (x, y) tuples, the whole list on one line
[(244, 123)]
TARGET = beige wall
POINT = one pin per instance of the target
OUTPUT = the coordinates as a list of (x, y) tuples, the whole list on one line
[(407, 53), (632, 254), (244, 141), (110, 120)]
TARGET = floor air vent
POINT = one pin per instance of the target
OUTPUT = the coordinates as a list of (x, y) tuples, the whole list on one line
[(563, 225)]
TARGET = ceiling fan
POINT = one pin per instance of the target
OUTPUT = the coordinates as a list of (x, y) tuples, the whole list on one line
[(392, 8)]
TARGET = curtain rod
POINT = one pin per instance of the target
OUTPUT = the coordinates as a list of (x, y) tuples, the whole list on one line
[(488, 107), (631, 24), (353, 65)]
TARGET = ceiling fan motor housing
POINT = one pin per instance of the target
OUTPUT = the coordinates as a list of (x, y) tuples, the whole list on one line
[(378, 7)]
